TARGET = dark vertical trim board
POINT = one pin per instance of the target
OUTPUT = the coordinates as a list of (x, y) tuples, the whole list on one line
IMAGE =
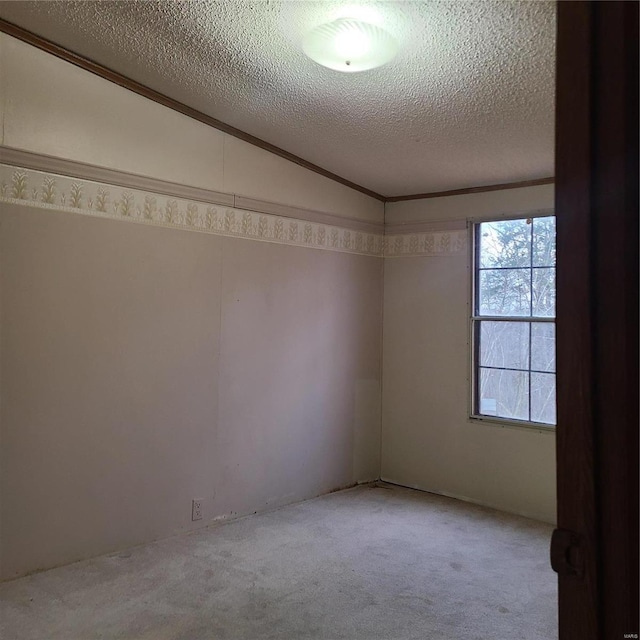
[(577, 591), (595, 548), (615, 238)]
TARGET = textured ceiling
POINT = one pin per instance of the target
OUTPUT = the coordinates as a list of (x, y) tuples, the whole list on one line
[(468, 101)]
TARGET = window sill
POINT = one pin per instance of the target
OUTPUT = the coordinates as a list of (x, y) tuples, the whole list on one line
[(513, 424)]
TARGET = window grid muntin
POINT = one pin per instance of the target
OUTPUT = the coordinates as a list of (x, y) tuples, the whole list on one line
[(539, 266), (477, 319), (482, 366)]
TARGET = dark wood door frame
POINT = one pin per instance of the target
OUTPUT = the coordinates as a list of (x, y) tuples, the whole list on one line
[(595, 548)]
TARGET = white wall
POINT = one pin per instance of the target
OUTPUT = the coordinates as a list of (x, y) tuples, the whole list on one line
[(143, 366), (428, 441)]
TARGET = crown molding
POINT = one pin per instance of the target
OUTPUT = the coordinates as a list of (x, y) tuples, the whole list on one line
[(108, 74), (467, 190)]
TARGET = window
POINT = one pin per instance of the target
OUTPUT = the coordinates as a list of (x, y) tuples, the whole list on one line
[(513, 321)]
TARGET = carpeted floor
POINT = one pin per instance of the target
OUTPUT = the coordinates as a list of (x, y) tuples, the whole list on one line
[(365, 564)]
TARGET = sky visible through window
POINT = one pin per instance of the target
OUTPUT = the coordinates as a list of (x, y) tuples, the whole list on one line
[(514, 313)]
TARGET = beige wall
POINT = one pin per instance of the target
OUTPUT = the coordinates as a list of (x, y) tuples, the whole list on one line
[(52, 107), (143, 367), (428, 441)]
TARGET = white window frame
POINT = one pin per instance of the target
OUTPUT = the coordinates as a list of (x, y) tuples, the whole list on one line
[(474, 320)]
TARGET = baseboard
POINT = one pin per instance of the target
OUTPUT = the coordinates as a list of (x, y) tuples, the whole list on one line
[(480, 503)]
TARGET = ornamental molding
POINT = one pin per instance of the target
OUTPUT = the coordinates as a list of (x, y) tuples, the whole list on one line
[(19, 158), (57, 192)]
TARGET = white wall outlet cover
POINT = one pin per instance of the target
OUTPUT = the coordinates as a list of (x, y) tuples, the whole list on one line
[(196, 510)]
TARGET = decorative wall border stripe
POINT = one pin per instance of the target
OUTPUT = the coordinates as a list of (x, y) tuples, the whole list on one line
[(57, 192), (434, 243), (63, 193)]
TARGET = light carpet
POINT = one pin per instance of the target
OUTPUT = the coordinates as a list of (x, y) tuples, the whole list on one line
[(374, 562)]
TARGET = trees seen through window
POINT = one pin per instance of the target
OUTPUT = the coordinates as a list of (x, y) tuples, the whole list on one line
[(513, 320)]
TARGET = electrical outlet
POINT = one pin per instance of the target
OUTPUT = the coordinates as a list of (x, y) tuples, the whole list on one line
[(196, 510)]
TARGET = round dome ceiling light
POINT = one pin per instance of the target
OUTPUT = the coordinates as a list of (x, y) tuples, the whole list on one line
[(349, 45)]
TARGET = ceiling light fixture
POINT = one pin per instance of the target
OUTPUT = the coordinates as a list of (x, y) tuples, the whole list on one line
[(349, 45)]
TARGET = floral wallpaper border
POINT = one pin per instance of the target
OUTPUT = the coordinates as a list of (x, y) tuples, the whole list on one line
[(62, 193), (431, 243)]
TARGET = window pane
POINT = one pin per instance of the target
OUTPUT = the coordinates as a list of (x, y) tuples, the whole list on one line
[(544, 292), (504, 393), (543, 398), (544, 242), (515, 276), (504, 292), (504, 344), (505, 244), (543, 346)]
